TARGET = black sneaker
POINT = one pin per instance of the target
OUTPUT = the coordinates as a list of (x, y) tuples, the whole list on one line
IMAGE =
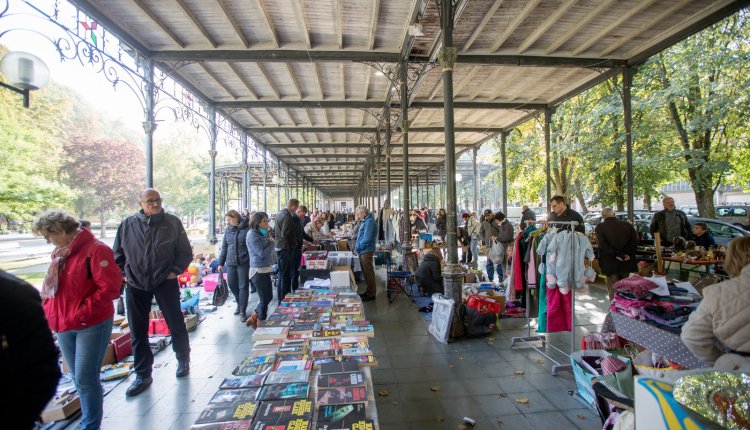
[(138, 386), (367, 298), (183, 369)]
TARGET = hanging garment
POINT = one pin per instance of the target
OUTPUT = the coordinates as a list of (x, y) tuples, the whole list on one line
[(518, 264), (542, 321), (559, 313), (570, 263)]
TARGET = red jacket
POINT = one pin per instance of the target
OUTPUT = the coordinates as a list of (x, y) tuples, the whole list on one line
[(87, 286)]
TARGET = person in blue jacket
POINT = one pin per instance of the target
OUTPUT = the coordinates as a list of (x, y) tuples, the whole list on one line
[(261, 250), (234, 260), (365, 248)]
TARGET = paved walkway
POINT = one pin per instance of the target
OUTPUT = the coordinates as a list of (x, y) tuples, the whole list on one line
[(475, 378)]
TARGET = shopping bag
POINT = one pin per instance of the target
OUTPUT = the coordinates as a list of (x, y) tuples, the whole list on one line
[(605, 341), (442, 316), (497, 252), (482, 304), (586, 375), (221, 292)]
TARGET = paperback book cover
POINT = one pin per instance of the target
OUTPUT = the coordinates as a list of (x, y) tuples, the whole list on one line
[(326, 333), (229, 425), (339, 395), (288, 377), (288, 365), (290, 424), (339, 367), (258, 360), (324, 344), (361, 330), (260, 369), (317, 362), (326, 353), (299, 336), (356, 344), (363, 360), (275, 323), (341, 414), (241, 382), (322, 303), (296, 390), (291, 350), (314, 318), (277, 410), (354, 425), (233, 412), (270, 333), (235, 396), (335, 380), (295, 342), (348, 319), (347, 300), (347, 308), (353, 352), (304, 327)]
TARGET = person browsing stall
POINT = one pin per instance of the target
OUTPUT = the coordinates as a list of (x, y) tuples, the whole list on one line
[(365, 248), (151, 248), (285, 232), (429, 275), (718, 332), (527, 216), (561, 212), (81, 283), (702, 236), (260, 250), (670, 222), (488, 233), (234, 260), (617, 245)]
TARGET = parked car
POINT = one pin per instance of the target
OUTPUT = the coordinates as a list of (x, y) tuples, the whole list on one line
[(722, 232), (690, 210), (595, 218), (738, 215)]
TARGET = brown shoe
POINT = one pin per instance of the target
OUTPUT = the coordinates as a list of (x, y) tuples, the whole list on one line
[(252, 321)]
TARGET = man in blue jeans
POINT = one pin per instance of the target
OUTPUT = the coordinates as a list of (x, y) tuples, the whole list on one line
[(152, 248), (285, 232)]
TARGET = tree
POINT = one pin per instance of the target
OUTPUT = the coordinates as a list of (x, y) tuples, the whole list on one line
[(108, 173)]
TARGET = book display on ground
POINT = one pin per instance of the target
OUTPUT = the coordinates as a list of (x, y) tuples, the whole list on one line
[(308, 369)]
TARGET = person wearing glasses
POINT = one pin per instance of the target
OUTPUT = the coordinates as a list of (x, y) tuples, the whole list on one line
[(152, 248), (77, 293)]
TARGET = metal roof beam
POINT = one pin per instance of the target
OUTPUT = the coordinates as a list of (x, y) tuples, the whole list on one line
[(530, 61), (284, 55), (360, 155), (428, 129), (362, 104)]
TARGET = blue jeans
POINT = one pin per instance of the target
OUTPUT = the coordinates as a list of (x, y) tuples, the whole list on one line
[(490, 267), (83, 351), (262, 283), (285, 263), (474, 247)]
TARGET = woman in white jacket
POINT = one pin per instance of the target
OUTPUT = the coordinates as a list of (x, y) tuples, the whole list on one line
[(718, 332)]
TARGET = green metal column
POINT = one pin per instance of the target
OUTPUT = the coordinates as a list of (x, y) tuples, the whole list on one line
[(149, 123), (387, 115), (245, 170), (406, 245), (453, 274), (265, 180), (278, 185), (627, 83), (547, 143), (504, 161), (475, 179), (212, 176)]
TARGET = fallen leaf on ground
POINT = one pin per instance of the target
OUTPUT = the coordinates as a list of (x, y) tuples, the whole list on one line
[(580, 417), (519, 372), (460, 358), (503, 394), (451, 366), (463, 426), (384, 393), (539, 360), (522, 400), (439, 419), (395, 403), (435, 388)]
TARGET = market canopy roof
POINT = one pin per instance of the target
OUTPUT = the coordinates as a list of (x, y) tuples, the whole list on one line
[(309, 80)]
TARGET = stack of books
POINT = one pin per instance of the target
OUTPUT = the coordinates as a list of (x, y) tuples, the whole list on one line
[(304, 371)]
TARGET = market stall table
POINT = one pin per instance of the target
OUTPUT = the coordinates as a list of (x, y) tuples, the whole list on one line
[(658, 340), (702, 267)]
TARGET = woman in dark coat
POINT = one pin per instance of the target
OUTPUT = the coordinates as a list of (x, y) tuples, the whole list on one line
[(441, 224), (235, 257), (429, 275)]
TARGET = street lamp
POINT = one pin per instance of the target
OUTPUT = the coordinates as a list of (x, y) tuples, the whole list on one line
[(25, 72)]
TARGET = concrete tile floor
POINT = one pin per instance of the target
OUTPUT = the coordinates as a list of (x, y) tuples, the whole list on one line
[(474, 377)]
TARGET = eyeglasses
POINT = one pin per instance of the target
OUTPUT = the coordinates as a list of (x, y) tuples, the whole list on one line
[(153, 201)]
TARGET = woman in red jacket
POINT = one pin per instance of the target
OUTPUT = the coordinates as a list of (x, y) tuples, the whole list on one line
[(81, 283)]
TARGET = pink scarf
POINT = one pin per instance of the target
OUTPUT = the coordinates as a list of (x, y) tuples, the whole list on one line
[(51, 280)]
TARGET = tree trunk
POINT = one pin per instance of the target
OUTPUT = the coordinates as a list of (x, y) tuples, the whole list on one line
[(619, 198), (103, 226), (647, 200)]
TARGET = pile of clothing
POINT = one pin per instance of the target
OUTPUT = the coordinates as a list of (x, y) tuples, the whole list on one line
[(635, 299)]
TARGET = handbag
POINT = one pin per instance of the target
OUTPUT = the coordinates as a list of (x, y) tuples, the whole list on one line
[(586, 375), (221, 293)]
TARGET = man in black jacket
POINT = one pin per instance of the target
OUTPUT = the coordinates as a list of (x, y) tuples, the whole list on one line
[(617, 244), (286, 234), (28, 357), (152, 248), (561, 212), (670, 223), (526, 216)]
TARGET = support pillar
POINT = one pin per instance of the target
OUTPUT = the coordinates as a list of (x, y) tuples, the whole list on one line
[(388, 155), (475, 180), (245, 171), (278, 185), (504, 167), (406, 245), (627, 83), (149, 123), (547, 143), (265, 180), (212, 177)]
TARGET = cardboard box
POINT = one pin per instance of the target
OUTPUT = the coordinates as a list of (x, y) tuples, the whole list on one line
[(340, 278), (497, 297), (191, 322), (352, 281), (62, 406), (342, 245)]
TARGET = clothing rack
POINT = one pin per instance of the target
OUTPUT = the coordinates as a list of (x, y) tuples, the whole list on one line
[(543, 338)]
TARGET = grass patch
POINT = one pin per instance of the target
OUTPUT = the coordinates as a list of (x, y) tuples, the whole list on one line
[(33, 278)]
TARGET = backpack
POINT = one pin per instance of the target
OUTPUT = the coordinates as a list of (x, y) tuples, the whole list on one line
[(477, 324)]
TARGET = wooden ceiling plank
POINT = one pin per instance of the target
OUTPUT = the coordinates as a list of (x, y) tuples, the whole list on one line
[(514, 24), (646, 25), (268, 79), (513, 76), (546, 25), (492, 81), (604, 5), (539, 90), (614, 24), (291, 118), (241, 76), (469, 76), (267, 20), (159, 23), (342, 80), (337, 17), (294, 80), (374, 23), (436, 88), (300, 12), (217, 80), (255, 118), (477, 31), (230, 17), (368, 75), (194, 19), (530, 83)]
